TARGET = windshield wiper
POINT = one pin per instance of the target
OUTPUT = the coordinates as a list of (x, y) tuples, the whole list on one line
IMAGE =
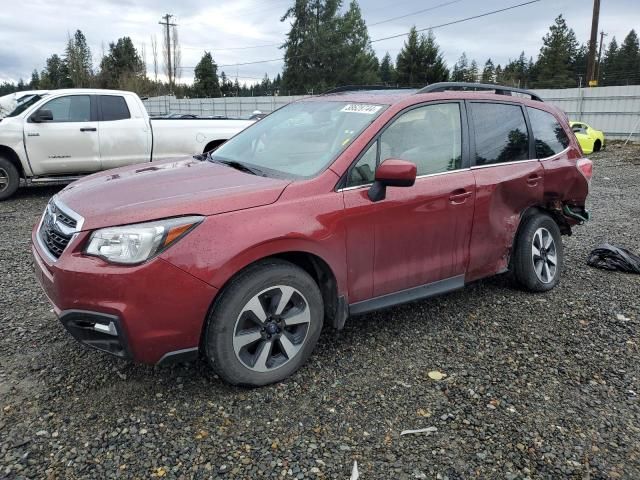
[(237, 165)]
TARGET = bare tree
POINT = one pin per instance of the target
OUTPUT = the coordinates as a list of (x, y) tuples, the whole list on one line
[(166, 46), (154, 54), (177, 55)]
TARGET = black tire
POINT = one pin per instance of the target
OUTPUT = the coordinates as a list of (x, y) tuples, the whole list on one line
[(528, 268), (230, 316), (9, 178), (597, 146)]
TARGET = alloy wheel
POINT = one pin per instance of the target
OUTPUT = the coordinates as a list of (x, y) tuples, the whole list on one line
[(4, 179), (544, 255), (271, 328)]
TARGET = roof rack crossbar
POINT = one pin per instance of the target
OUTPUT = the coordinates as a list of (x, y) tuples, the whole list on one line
[(498, 89)]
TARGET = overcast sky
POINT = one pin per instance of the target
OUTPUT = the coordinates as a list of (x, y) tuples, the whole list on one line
[(32, 30)]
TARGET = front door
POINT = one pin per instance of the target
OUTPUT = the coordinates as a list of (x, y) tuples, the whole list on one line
[(69, 143), (419, 234)]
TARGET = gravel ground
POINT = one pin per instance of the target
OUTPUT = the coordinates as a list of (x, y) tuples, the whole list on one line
[(535, 386)]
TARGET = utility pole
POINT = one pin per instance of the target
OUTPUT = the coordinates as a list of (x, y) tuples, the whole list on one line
[(602, 35), (167, 40), (591, 59)]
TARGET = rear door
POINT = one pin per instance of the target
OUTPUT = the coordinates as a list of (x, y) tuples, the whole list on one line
[(125, 135), (509, 179), (68, 144)]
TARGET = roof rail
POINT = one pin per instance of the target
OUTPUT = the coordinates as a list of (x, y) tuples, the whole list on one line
[(498, 89), (355, 88)]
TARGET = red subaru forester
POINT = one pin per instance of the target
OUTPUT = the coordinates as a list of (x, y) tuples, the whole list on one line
[(329, 207)]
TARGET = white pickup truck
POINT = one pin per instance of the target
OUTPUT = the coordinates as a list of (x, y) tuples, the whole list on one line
[(61, 135)]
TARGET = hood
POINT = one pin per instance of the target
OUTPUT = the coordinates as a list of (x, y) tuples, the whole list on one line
[(140, 193)]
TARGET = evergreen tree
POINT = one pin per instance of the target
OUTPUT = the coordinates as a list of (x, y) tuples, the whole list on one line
[(356, 63), (472, 73), (556, 62), (122, 67), (489, 72), (78, 60), (609, 63), (434, 68), (35, 80), (55, 73), (628, 61), (499, 75), (387, 71), (460, 69), (409, 60), (206, 83)]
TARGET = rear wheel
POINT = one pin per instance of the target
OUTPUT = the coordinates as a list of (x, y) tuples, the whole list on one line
[(597, 145), (265, 325), (9, 178), (538, 255)]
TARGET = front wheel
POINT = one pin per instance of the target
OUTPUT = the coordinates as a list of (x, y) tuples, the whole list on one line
[(265, 324), (538, 254)]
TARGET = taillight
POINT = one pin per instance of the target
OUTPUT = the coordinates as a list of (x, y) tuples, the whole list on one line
[(586, 168)]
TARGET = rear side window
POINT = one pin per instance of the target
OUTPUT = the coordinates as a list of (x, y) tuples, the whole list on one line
[(113, 108), (73, 108), (500, 132), (550, 137)]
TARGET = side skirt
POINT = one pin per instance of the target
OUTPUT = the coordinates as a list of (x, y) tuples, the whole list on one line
[(409, 295)]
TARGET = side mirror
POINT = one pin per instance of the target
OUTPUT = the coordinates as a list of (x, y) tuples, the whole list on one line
[(42, 116), (392, 173)]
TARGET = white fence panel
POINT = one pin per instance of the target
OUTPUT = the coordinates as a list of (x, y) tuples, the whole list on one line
[(615, 110)]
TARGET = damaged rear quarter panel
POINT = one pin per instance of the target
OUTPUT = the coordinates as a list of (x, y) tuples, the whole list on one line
[(503, 193)]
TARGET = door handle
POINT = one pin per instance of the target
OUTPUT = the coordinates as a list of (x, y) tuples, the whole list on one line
[(534, 179), (88, 129), (459, 196)]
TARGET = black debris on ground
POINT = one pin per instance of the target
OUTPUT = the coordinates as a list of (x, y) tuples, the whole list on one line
[(515, 385)]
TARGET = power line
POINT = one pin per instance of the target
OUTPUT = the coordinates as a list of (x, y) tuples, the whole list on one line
[(493, 12), (415, 13), (433, 27), (235, 48)]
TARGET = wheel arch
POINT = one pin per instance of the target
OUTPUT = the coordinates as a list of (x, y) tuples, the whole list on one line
[(313, 264), (10, 154), (556, 216), (213, 144)]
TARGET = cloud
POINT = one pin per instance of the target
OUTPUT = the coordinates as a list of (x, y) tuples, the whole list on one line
[(38, 28)]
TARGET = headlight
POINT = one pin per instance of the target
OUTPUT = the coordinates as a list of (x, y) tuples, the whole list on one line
[(136, 243)]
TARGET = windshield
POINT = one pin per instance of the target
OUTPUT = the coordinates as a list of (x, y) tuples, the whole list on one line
[(300, 139), (25, 104)]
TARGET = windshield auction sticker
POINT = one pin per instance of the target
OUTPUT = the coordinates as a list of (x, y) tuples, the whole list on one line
[(361, 108)]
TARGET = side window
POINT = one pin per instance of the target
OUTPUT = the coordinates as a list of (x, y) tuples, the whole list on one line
[(550, 137), (73, 108), (429, 136), (364, 171), (500, 132), (113, 107)]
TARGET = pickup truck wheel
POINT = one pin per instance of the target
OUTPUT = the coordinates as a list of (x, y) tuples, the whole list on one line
[(9, 178), (265, 324), (538, 254)]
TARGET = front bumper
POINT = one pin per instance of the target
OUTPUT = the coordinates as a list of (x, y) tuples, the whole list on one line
[(146, 313)]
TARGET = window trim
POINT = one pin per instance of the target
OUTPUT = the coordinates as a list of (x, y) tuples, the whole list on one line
[(93, 114), (342, 186), (533, 139), (472, 133), (100, 113)]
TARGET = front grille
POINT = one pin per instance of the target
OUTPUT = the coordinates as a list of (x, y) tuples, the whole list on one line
[(66, 220), (57, 229), (56, 242)]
